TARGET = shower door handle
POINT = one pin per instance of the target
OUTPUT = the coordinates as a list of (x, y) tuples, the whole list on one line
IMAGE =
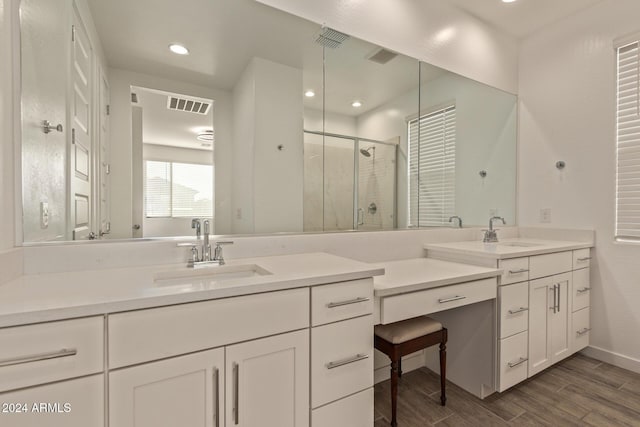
[(360, 216)]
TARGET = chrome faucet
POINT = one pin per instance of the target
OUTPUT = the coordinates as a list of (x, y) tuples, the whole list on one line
[(195, 223), (458, 218), (204, 258), (490, 235), (206, 247)]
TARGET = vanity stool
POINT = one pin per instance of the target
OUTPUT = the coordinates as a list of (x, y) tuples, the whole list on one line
[(408, 336)]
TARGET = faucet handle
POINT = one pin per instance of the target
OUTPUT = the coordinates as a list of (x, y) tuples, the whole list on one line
[(224, 242)]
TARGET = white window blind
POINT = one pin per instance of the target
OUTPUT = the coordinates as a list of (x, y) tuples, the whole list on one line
[(628, 144), (178, 190), (432, 168)]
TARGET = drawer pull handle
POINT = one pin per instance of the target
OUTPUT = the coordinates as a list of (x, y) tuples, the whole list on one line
[(583, 259), (456, 298), (522, 270), (583, 290), (356, 358), (349, 302), (520, 310), (583, 331), (519, 362), (38, 357)]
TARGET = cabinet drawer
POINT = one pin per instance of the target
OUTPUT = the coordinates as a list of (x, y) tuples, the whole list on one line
[(352, 411), (580, 327), (46, 352), (341, 359), (340, 301), (157, 333), (581, 293), (414, 304), (581, 258), (514, 309), (550, 264), (84, 396), (513, 363), (515, 270)]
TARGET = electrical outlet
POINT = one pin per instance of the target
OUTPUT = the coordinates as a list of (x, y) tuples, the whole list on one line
[(545, 215), (44, 215)]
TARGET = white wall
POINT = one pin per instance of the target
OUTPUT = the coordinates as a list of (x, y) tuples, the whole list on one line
[(7, 205), (121, 165), (267, 181), (430, 30), (567, 112)]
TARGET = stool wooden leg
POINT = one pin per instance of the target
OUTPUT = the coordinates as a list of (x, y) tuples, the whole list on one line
[(443, 372), (394, 392), (400, 368)]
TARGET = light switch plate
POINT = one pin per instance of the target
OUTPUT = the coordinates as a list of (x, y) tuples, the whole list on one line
[(545, 215), (44, 215)]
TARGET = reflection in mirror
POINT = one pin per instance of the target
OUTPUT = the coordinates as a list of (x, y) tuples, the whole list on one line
[(172, 144), (311, 129), (462, 151)]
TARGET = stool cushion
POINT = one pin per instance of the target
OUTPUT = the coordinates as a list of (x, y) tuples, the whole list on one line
[(406, 330)]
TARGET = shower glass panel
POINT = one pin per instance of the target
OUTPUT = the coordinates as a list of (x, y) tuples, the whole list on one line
[(313, 194), (339, 173), (376, 208)]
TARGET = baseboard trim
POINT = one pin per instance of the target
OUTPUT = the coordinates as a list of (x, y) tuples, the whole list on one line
[(616, 359), (410, 363)]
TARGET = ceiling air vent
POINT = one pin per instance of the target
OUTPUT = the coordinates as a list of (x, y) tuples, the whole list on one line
[(382, 56), (331, 38), (188, 105)]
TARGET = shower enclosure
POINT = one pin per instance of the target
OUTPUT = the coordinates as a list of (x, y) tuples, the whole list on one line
[(349, 183)]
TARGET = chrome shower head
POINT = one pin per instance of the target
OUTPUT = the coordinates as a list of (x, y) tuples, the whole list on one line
[(367, 152)]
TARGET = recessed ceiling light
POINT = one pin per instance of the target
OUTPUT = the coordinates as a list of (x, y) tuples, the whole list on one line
[(205, 136), (356, 104), (508, 1), (309, 94), (178, 49)]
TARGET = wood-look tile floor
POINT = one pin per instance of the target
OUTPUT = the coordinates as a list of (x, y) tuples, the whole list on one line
[(578, 391)]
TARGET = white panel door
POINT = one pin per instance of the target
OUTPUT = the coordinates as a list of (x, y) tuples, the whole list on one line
[(104, 159), (268, 382), (541, 301), (181, 391), (80, 150), (73, 403)]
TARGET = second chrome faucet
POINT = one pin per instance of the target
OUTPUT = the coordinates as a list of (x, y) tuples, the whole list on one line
[(490, 235), (203, 258)]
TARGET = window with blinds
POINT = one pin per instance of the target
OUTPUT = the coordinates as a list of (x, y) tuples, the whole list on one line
[(178, 190), (432, 168), (628, 144)]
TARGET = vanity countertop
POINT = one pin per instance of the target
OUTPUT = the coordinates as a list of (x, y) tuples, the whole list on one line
[(417, 274), (56, 296), (507, 248)]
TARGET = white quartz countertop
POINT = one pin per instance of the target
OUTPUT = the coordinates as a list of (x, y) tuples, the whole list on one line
[(55, 296), (424, 273), (507, 248)]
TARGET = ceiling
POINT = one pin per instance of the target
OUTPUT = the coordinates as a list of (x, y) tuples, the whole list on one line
[(522, 17), (223, 36), (161, 126)]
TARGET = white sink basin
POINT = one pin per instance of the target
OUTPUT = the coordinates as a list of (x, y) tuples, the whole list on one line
[(519, 244), (218, 273)]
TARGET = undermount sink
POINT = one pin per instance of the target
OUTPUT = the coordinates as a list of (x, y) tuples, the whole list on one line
[(519, 244), (216, 273)]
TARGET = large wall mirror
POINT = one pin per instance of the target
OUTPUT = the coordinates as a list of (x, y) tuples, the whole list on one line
[(266, 123)]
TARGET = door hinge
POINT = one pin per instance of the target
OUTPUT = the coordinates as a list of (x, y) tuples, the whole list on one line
[(107, 168), (73, 136), (108, 110), (73, 33)]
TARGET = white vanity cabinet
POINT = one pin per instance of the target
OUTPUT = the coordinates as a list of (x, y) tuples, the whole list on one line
[(186, 390), (543, 313), (51, 374)]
